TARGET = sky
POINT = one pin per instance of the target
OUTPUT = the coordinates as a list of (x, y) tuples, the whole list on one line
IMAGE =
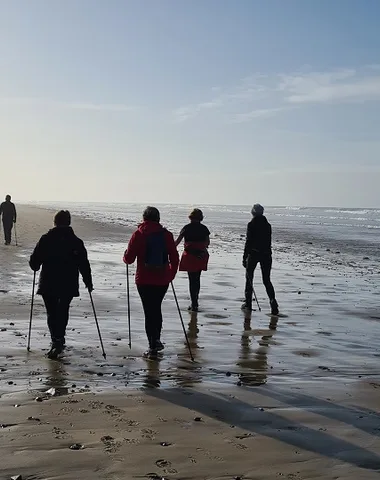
[(200, 102)]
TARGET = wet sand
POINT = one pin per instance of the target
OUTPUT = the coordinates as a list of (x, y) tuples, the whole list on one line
[(295, 397)]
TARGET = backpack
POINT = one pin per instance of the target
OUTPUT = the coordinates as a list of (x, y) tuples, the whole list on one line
[(156, 253)]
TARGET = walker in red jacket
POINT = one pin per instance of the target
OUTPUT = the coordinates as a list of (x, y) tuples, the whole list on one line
[(157, 265), (195, 256)]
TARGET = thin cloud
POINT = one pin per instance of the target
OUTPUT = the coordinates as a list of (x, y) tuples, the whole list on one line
[(249, 89), (337, 86), (262, 95), (259, 113)]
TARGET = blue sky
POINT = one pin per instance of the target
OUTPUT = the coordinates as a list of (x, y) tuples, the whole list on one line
[(199, 101)]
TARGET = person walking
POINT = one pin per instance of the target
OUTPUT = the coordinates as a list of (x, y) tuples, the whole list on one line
[(258, 249), (195, 257), (9, 214), (62, 256), (157, 265)]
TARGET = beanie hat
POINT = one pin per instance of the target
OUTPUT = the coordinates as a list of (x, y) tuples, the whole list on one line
[(257, 210)]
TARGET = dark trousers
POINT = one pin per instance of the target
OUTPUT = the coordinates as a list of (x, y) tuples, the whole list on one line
[(151, 298), (266, 266), (8, 231), (194, 286), (57, 309)]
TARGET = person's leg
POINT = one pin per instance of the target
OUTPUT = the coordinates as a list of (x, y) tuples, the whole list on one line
[(146, 293), (159, 295), (266, 267), (51, 305), (7, 232), (63, 317), (251, 266), (194, 286)]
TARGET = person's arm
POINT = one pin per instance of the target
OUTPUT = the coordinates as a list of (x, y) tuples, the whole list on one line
[(173, 255), (84, 266), (181, 236), (14, 213), (1, 209), (131, 252), (270, 236), (207, 239), (247, 246), (179, 239), (36, 258)]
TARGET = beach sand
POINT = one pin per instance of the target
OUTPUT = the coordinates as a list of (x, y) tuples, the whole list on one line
[(295, 398)]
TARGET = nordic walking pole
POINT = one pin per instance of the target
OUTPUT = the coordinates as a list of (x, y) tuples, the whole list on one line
[(183, 325), (129, 309), (16, 235), (31, 311), (97, 324), (253, 289)]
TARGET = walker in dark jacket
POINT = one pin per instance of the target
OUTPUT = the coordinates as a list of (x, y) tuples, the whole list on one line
[(258, 249), (9, 214), (62, 256)]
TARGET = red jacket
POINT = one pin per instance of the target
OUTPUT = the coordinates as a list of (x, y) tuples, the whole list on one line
[(137, 249)]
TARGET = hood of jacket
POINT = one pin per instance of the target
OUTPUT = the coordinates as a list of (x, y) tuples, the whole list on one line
[(148, 227), (61, 232), (260, 221)]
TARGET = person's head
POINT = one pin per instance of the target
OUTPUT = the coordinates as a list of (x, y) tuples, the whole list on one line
[(62, 218), (151, 214), (196, 215), (257, 210), (8, 198)]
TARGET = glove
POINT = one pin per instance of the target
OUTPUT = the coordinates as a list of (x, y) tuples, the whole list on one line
[(244, 262), (90, 287)]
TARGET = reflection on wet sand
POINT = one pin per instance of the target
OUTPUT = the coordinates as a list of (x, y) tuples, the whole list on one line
[(152, 374), (188, 373), (56, 377), (254, 369), (184, 372)]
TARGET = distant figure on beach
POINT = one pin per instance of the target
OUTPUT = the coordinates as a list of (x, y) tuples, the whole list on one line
[(9, 214), (62, 256), (195, 257), (258, 249), (157, 264)]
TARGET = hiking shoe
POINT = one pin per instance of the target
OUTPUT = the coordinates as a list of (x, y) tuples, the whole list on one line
[(159, 346), (247, 306), (193, 308), (274, 307), (151, 354), (55, 350)]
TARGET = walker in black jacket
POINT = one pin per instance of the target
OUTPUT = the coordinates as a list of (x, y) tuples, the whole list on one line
[(9, 214), (258, 249), (62, 256)]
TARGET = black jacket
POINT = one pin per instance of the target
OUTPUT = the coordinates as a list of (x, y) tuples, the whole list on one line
[(8, 210), (62, 256), (259, 237)]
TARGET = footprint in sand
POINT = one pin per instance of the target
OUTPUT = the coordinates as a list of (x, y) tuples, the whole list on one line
[(161, 463)]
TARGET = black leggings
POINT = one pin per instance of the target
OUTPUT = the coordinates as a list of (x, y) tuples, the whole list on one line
[(7, 226), (57, 309), (266, 266), (194, 286), (151, 298)]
